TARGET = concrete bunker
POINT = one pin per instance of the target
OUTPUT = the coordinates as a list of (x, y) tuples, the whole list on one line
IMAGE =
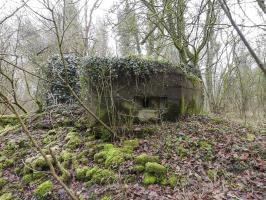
[(128, 88), (141, 89)]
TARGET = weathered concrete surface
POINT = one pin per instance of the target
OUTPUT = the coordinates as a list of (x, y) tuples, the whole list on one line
[(163, 96)]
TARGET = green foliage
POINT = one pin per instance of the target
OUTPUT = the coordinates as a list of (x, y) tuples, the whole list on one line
[(42, 190), (96, 67), (144, 158), (55, 69)]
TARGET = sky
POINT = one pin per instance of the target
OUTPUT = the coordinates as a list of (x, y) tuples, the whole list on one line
[(248, 11)]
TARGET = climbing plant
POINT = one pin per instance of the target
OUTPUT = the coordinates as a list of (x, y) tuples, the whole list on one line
[(55, 72)]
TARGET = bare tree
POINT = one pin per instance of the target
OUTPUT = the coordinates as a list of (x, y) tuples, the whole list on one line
[(226, 10)]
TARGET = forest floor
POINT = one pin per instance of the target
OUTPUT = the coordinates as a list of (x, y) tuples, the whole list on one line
[(199, 157)]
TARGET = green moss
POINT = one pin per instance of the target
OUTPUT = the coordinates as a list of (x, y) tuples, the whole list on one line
[(100, 157), (131, 144), (181, 151), (212, 174), (205, 150), (101, 132), (110, 156), (194, 79), (193, 107), (40, 164), (43, 190), (73, 140), (9, 162), (148, 179), (182, 106), (100, 176), (114, 157), (108, 146), (106, 198), (204, 145), (173, 181), (38, 175), (65, 155), (250, 137), (31, 178), (10, 120), (163, 181), (27, 178), (155, 168), (144, 158), (2, 182), (81, 173), (6, 196), (138, 168), (65, 176), (46, 140)]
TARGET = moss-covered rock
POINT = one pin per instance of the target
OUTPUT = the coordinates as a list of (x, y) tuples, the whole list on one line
[(111, 156), (6, 196), (114, 157), (144, 158), (43, 190), (155, 168), (100, 176), (148, 179)]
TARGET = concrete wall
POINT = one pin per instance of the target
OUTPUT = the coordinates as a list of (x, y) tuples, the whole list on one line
[(162, 96)]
